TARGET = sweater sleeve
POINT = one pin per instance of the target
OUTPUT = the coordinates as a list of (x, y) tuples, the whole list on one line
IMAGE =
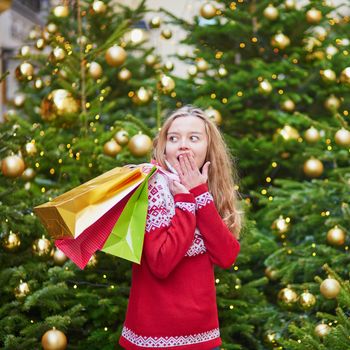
[(221, 244), (168, 235)]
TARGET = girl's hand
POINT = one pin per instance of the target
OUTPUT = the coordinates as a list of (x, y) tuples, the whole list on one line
[(175, 188), (189, 173)]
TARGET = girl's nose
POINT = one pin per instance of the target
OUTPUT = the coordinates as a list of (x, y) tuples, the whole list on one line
[(184, 145)]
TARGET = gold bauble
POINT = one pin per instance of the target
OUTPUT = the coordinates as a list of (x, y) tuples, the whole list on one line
[(11, 241), (336, 236), (150, 60), (330, 288), (30, 148), (288, 133), (192, 70), (59, 257), (202, 65), (281, 225), (342, 137), (99, 6), (92, 261), (124, 74), (24, 50), (169, 66), (54, 340), (313, 16), (288, 105), (111, 148), (61, 11), (265, 87), (166, 33), (19, 99), (313, 167), (270, 273), (40, 44), (320, 33), (58, 54), (38, 84), (331, 50), (41, 247), (122, 137), (155, 22), (312, 135), (345, 76), (214, 115), (287, 296), (280, 41), (24, 71), (115, 56), (290, 4), (328, 75), (95, 70), (208, 10), (222, 72), (332, 103), (271, 12), (307, 300), (21, 290), (28, 174), (142, 96), (322, 330), (166, 84), (12, 166), (59, 104), (140, 145), (52, 28)]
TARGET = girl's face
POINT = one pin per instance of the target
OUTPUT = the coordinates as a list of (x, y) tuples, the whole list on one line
[(187, 134)]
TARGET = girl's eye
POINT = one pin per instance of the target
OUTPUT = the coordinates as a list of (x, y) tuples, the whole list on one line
[(172, 138), (194, 138)]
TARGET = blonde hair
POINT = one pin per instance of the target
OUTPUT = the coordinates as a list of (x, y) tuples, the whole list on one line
[(222, 176)]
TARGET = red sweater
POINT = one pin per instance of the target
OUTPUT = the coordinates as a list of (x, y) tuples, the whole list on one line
[(172, 302)]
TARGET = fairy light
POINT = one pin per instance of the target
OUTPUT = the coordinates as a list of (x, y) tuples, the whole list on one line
[(239, 93), (52, 171), (60, 161), (213, 96), (37, 165), (268, 179), (274, 164), (97, 116), (224, 100), (263, 191), (43, 190)]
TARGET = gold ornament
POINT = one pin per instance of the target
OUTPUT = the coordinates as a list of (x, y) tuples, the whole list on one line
[(82, 40), (11, 241), (111, 148), (42, 247), (21, 290), (24, 51), (288, 133), (19, 99), (166, 33), (142, 96), (95, 70), (345, 76), (342, 137), (115, 56), (34, 34), (208, 10), (59, 104), (140, 145), (92, 261), (330, 288), (288, 105), (52, 28), (58, 54), (271, 338), (99, 7), (54, 340), (150, 60), (280, 41), (40, 44), (202, 65), (24, 71), (313, 16), (12, 166), (28, 174), (313, 167), (331, 50), (290, 4), (307, 300), (61, 11), (124, 74), (137, 35), (328, 75), (287, 296), (155, 22), (214, 115), (312, 135), (265, 87), (122, 137), (322, 329), (270, 273), (30, 148), (192, 70), (332, 103), (166, 84), (336, 236), (281, 225), (38, 83), (169, 66), (59, 257), (271, 12), (320, 33), (222, 72)]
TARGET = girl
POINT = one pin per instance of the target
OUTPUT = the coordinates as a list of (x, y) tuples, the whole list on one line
[(192, 224)]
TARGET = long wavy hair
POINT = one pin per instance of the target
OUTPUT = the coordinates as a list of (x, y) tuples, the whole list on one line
[(222, 176)]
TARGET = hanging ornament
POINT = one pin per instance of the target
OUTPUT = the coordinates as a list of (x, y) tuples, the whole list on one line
[(28, 174), (313, 16), (288, 133), (330, 288), (166, 33), (169, 66), (271, 12), (202, 65), (142, 96), (281, 225), (320, 33), (208, 10), (166, 84), (214, 115), (59, 104), (38, 84), (280, 41), (122, 137), (19, 99), (24, 71), (42, 247), (307, 300), (111, 148), (290, 4), (332, 103), (192, 70), (155, 22), (312, 135), (288, 105), (12, 166), (34, 34), (98, 7), (54, 340), (331, 50), (24, 51), (21, 290), (124, 74), (11, 241), (61, 11), (140, 145), (336, 236), (150, 60), (265, 87), (222, 71), (95, 70), (40, 44), (322, 329), (52, 28), (287, 296), (57, 54), (272, 338), (342, 137), (30, 148), (92, 261), (115, 56), (270, 273), (313, 167), (59, 257), (328, 75), (345, 76)]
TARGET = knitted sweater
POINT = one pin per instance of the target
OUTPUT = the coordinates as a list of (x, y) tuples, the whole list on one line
[(172, 302)]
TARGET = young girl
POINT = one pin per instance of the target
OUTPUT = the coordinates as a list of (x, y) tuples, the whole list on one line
[(193, 223)]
